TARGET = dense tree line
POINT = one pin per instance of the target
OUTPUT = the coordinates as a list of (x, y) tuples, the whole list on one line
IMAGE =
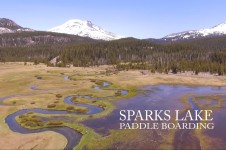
[(36, 38), (139, 54), (29, 54), (200, 55)]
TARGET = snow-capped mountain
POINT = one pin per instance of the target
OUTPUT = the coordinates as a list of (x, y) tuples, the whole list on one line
[(9, 26), (214, 31), (85, 29)]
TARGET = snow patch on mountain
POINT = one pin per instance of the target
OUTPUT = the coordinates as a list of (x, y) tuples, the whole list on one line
[(214, 31), (85, 28), (5, 30)]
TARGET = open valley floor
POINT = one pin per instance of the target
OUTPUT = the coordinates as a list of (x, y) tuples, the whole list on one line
[(78, 107)]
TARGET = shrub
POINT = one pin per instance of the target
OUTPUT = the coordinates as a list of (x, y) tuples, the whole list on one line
[(196, 72), (38, 77), (51, 106), (92, 80), (81, 110), (30, 121), (54, 123), (70, 108), (75, 100), (36, 62), (102, 105), (58, 95), (99, 82), (40, 123), (118, 93), (22, 116)]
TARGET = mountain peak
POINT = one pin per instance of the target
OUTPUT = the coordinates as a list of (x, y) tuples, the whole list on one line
[(78, 21), (7, 23), (74, 22), (217, 30), (85, 28), (9, 26)]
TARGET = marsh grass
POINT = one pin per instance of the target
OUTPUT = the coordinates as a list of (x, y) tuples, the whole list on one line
[(30, 121)]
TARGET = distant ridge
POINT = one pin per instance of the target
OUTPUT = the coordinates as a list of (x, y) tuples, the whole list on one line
[(214, 31)]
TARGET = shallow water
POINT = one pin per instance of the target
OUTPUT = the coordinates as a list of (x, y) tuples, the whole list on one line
[(163, 97), (66, 78), (219, 127)]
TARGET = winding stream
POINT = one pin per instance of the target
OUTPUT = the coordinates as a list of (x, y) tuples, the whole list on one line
[(73, 137)]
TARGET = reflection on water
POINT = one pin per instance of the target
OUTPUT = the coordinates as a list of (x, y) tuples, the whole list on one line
[(163, 97)]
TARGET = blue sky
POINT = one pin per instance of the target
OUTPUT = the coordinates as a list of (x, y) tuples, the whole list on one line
[(137, 18)]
